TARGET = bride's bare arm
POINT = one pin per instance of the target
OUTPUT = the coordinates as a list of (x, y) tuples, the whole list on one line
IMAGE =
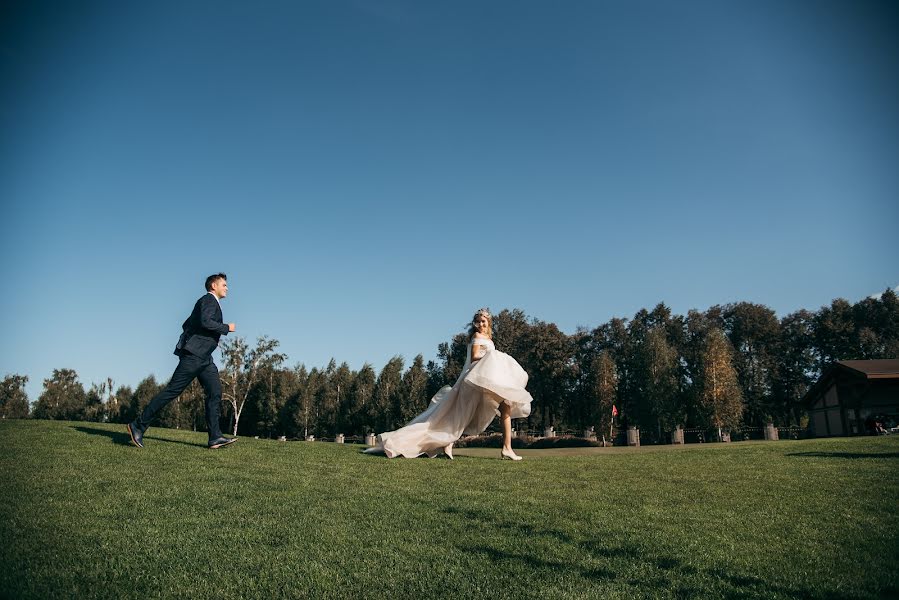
[(477, 352)]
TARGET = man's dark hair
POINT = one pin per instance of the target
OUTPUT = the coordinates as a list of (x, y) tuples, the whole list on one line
[(213, 278)]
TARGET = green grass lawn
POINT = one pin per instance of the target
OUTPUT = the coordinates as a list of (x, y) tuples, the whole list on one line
[(84, 514)]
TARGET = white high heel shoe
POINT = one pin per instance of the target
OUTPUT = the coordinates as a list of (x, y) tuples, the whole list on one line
[(504, 454), (448, 450)]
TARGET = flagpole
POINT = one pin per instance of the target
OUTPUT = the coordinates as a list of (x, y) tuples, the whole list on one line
[(612, 424)]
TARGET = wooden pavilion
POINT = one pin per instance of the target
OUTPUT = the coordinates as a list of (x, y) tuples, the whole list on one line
[(851, 394)]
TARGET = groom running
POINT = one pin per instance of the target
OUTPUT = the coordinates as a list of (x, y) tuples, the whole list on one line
[(200, 336)]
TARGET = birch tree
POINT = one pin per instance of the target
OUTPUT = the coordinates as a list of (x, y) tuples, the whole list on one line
[(721, 399), (242, 367)]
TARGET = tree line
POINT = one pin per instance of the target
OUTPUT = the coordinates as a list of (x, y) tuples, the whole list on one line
[(732, 365)]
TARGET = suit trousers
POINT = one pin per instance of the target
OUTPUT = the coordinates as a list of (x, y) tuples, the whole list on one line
[(190, 367)]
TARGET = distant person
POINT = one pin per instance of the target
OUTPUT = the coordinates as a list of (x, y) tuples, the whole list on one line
[(874, 426), (200, 336), (491, 384)]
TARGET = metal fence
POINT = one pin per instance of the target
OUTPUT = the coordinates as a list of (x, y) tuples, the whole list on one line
[(617, 437)]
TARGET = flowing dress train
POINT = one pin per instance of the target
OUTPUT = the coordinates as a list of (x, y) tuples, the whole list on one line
[(467, 407)]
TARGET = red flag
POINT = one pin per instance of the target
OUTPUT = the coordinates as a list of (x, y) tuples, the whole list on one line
[(614, 411)]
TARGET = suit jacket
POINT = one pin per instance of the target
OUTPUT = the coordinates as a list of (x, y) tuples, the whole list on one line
[(202, 329)]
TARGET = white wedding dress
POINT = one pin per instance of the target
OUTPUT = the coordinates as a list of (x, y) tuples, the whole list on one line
[(467, 407)]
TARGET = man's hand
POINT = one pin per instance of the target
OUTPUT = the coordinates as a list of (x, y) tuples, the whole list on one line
[(230, 326)]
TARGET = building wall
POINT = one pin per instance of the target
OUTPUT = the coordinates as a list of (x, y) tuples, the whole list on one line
[(843, 407), (825, 414), (883, 395)]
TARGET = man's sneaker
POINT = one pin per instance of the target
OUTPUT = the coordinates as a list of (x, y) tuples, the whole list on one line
[(137, 436), (220, 442)]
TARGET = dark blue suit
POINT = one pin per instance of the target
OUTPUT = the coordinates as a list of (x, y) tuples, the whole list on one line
[(200, 336)]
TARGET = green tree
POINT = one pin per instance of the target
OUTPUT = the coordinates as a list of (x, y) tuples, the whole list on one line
[(182, 412), (63, 397), (582, 400), (697, 326), (13, 399), (264, 409), (94, 402), (315, 386), (510, 329), (754, 331), (885, 320), (659, 369), (386, 395), (302, 413), (436, 379), (605, 390), (342, 382), (360, 418), (646, 368), (795, 365), (452, 356), (413, 397), (192, 407), (296, 411), (327, 400), (145, 391), (274, 389), (876, 324), (615, 337), (834, 333), (549, 361), (119, 408)]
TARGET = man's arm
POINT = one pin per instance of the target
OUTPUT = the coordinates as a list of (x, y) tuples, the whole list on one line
[(208, 318)]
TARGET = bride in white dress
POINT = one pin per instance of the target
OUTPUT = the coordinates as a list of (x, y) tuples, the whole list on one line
[(492, 383)]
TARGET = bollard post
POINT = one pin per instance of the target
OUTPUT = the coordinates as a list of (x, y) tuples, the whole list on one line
[(370, 440), (677, 436), (339, 439), (549, 432), (633, 436), (771, 432)]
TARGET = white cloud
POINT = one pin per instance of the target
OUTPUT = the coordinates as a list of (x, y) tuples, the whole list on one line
[(878, 296)]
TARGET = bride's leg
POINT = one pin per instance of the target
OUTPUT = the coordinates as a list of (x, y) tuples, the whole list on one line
[(505, 415)]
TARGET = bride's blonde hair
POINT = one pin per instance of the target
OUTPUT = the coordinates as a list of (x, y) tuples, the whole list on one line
[(471, 328)]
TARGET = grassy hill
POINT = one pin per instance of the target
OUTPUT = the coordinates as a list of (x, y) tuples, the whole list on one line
[(85, 514)]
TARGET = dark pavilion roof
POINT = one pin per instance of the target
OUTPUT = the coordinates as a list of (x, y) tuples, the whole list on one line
[(887, 368)]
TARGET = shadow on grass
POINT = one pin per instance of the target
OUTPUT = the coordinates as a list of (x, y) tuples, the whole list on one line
[(122, 437), (382, 456), (498, 556), (620, 562), (845, 454)]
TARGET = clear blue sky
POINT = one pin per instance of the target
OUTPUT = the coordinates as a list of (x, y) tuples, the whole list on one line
[(368, 173)]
